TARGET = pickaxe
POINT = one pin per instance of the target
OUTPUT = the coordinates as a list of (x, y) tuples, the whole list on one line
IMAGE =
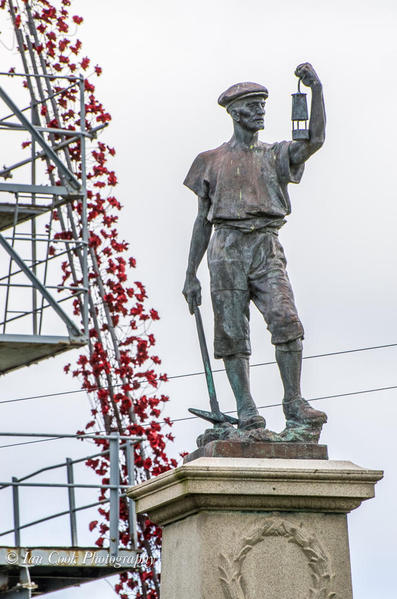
[(215, 415)]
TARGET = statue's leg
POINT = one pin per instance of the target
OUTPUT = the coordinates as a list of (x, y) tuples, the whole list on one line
[(229, 257), (296, 409), (237, 370), (289, 360), (272, 293)]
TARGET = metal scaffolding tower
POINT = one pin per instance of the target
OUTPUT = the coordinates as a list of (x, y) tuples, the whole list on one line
[(38, 238), (48, 256), (30, 571)]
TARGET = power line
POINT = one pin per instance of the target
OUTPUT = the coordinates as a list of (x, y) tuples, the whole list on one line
[(47, 395), (350, 393), (335, 353), (274, 405), (29, 442), (178, 376)]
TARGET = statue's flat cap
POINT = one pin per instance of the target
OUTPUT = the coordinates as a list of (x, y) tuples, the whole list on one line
[(240, 90)]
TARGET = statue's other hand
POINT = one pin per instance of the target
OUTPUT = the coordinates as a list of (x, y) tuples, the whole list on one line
[(192, 292), (307, 74)]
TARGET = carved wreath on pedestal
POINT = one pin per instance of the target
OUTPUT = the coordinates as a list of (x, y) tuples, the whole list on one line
[(230, 567)]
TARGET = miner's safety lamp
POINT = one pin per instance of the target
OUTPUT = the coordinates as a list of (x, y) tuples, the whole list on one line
[(299, 115)]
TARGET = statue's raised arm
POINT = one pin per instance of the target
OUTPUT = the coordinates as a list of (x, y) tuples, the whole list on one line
[(301, 150)]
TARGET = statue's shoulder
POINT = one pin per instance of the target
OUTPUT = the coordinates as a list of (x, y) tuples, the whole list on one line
[(201, 169), (273, 146), (208, 155)]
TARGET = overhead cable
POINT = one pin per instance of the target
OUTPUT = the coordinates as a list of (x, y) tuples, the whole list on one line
[(274, 405), (189, 374), (348, 394)]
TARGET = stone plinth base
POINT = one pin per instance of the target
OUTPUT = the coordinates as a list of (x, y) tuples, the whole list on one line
[(251, 528), (240, 449)]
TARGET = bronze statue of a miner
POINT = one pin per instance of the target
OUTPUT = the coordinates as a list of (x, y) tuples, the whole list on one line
[(242, 195)]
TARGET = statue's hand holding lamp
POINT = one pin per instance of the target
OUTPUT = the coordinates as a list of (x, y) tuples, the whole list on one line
[(300, 113)]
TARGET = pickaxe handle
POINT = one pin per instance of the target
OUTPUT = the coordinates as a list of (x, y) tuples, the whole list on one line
[(215, 415), (206, 362)]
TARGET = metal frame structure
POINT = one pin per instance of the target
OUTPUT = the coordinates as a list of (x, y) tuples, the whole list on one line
[(41, 206), (32, 202), (39, 560)]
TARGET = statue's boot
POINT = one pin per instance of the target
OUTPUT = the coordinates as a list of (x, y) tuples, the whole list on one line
[(247, 423), (237, 370), (296, 409)]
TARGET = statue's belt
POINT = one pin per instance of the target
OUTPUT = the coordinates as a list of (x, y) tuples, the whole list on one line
[(249, 227)]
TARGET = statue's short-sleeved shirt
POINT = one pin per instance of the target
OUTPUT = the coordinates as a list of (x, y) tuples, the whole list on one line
[(244, 183), (247, 189)]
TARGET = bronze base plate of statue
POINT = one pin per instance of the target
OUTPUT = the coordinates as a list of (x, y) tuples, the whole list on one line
[(258, 449), (243, 201)]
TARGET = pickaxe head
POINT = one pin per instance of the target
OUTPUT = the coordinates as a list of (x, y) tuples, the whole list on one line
[(213, 417)]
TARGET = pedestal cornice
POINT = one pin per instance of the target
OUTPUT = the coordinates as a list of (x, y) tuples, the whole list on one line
[(260, 485)]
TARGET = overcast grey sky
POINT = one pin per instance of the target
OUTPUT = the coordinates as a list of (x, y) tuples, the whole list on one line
[(165, 64)]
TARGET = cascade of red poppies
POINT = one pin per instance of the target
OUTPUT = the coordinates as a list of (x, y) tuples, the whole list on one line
[(119, 370)]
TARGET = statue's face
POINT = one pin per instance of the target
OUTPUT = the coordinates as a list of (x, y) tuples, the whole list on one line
[(250, 112)]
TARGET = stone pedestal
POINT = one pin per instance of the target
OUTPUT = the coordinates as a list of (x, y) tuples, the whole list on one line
[(249, 528)]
